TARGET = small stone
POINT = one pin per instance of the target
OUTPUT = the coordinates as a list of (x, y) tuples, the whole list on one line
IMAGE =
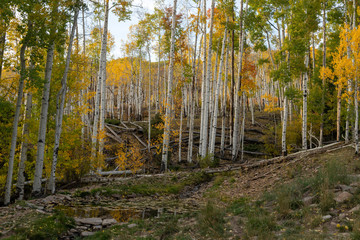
[(343, 197), (40, 211), (326, 217), (74, 230), (88, 221), (308, 200), (97, 228), (342, 215), (109, 221), (355, 184), (357, 208), (81, 228), (18, 207), (87, 234), (117, 196), (132, 225), (344, 188)]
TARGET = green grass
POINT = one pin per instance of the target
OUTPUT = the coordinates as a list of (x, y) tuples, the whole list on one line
[(150, 187), (44, 228), (211, 220)]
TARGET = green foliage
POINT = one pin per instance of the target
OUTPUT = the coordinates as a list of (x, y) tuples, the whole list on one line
[(157, 127), (112, 121), (282, 74), (209, 161)]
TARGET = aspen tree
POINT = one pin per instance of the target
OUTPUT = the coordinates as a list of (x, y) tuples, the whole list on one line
[(60, 103), (236, 135), (166, 138), (216, 97), (16, 118), (205, 122)]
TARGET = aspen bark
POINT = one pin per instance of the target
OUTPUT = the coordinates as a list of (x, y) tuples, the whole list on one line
[(216, 97), (235, 137), (102, 75), (24, 148), (166, 139), (15, 124), (181, 128), (60, 103), (149, 103), (323, 80), (224, 107), (2, 50), (36, 191), (284, 125), (191, 95), (205, 123), (203, 84), (304, 112)]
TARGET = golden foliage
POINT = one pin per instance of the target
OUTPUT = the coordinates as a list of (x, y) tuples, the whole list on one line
[(129, 158)]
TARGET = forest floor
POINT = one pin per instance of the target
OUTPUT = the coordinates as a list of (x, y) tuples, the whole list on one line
[(310, 195)]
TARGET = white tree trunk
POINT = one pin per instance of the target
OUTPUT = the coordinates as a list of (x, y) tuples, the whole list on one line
[(60, 103), (166, 139), (235, 137), (205, 123), (224, 107), (24, 147), (181, 128), (191, 95), (36, 191), (216, 97), (203, 83), (284, 125), (304, 113), (15, 125), (149, 103), (102, 76), (242, 133)]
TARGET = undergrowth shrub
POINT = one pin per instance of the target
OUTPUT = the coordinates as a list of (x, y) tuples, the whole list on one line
[(211, 220), (209, 161)]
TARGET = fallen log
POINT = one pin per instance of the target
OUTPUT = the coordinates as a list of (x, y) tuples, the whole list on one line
[(122, 128), (144, 144)]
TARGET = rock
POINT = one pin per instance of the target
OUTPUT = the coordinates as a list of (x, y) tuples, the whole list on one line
[(18, 207), (109, 221), (133, 195), (342, 215), (314, 205), (40, 211), (355, 184), (97, 228), (344, 188), (117, 196), (88, 221), (87, 234), (326, 217), (132, 225), (74, 230), (357, 208), (308, 200), (343, 197), (81, 228)]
